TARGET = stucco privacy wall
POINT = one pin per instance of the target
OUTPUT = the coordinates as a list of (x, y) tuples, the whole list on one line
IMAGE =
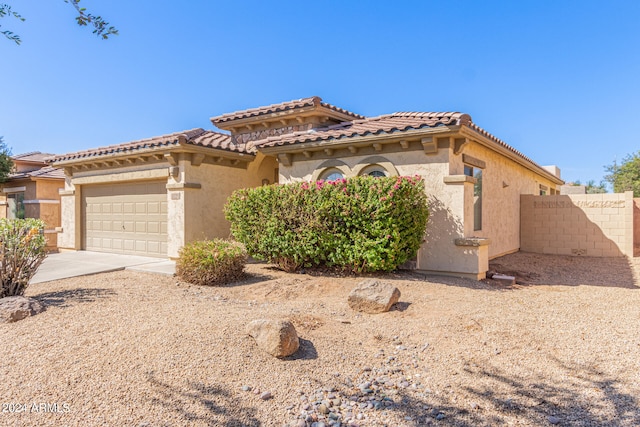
[(597, 225)]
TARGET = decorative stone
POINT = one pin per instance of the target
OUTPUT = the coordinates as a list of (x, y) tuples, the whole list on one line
[(504, 279), (17, 308), (277, 337), (373, 296)]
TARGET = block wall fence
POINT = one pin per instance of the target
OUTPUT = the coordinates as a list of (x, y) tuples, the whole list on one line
[(598, 225)]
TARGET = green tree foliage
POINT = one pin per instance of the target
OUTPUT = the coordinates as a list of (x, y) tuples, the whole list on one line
[(6, 164), (22, 250), (626, 175), (592, 188), (101, 28), (363, 224)]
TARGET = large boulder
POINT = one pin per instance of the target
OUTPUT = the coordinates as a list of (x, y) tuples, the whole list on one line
[(373, 296), (277, 337), (17, 308)]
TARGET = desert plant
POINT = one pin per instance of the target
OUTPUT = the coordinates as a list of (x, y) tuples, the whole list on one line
[(22, 250), (362, 224), (211, 262)]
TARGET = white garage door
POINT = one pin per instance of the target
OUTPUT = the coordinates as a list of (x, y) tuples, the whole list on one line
[(126, 218)]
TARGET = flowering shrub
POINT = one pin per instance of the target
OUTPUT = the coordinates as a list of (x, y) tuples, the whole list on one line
[(362, 224), (211, 262), (22, 250)]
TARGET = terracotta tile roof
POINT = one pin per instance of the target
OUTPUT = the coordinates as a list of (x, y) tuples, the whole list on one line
[(47, 172), (221, 141), (197, 137), (385, 124), (281, 107), (33, 156)]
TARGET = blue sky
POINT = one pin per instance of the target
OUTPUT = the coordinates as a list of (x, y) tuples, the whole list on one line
[(558, 80)]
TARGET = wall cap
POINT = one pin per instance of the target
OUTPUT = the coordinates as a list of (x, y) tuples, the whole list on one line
[(472, 241)]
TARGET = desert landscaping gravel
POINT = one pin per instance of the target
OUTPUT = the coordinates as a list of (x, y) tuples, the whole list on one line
[(561, 347)]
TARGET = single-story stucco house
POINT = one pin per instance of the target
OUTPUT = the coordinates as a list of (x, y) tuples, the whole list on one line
[(32, 191), (150, 197)]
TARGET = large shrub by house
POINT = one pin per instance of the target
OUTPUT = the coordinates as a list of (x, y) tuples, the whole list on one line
[(22, 250), (361, 224)]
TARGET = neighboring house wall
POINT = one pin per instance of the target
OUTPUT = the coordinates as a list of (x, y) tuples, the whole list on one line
[(599, 225), (41, 201)]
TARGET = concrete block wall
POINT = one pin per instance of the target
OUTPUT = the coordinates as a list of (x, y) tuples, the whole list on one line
[(599, 225)]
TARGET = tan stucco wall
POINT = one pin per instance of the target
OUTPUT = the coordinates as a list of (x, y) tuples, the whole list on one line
[(446, 200), (203, 206), (503, 181), (597, 225), (450, 199)]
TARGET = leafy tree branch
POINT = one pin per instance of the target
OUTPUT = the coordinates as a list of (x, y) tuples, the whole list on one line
[(101, 28)]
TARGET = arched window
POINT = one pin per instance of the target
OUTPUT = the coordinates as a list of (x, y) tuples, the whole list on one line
[(331, 174), (375, 171)]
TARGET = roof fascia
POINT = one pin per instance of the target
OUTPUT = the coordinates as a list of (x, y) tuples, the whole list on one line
[(176, 148), (306, 111), (492, 145)]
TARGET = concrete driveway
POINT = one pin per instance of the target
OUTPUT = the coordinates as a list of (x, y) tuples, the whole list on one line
[(82, 263)]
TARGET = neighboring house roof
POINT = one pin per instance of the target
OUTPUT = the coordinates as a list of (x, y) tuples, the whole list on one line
[(47, 172), (280, 108), (385, 124), (33, 156), (195, 137)]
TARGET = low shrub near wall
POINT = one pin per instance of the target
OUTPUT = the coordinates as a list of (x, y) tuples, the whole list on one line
[(211, 262), (362, 224), (22, 250)]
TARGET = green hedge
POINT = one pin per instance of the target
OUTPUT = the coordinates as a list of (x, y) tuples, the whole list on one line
[(362, 224)]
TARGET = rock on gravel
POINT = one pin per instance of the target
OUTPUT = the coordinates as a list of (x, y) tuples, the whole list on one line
[(277, 337), (373, 296), (17, 308)]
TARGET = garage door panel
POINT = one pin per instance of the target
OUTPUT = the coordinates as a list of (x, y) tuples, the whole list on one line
[(126, 218)]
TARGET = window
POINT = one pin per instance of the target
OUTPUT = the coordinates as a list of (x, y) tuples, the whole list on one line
[(477, 201), (477, 195), (375, 171), (543, 190), (331, 175), (15, 206)]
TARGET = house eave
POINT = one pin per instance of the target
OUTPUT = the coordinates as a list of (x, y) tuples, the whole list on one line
[(492, 145), (360, 140)]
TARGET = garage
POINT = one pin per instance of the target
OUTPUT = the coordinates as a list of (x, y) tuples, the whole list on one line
[(127, 218)]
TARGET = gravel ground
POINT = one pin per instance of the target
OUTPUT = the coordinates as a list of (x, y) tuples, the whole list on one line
[(134, 349)]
